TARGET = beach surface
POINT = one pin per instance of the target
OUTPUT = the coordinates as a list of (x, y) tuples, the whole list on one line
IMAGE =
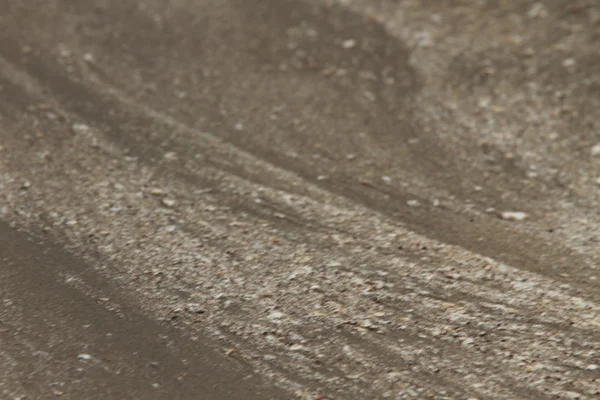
[(299, 199)]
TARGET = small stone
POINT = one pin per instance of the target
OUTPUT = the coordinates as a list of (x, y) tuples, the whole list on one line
[(84, 356), (386, 179), (413, 203), (88, 57), (80, 128), (239, 126), (513, 215), (538, 10), (592, 367), (394, 375), (367, 324), (596, 150), (269, 357), (71, 222), (568, 62), (157, 192), (171, 155), (531, 174), (64, 52), (227, 304), (484, 102), (275, 316), (572, 395), (452, 275), (229, 351), (171, 228), (348, 44), (194, 308), (25, 185), (168, 202), (298, 347), (296, 338)]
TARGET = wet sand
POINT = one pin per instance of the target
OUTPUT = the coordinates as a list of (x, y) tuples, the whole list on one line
[(310, 199)]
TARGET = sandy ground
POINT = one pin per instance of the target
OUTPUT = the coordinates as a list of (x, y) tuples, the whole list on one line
[(319, 199)]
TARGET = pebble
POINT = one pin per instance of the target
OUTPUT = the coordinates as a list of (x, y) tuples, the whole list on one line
[(296, 338), (274, 316), (395, 375), (592, 367), (348, 44), (538, 10), (168, 202), (572, 395), (194, 308), (171, 155), (484, 102), (413, 203), (84, 356), (171, 228), (596, 150), (298, 347), (386, 179), (80, 128), (513, 215), (366, 324)]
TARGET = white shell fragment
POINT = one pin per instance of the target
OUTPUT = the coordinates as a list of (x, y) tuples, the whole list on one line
[(513, 215)]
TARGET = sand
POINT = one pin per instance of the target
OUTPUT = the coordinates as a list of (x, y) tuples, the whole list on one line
[(300, 199)]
